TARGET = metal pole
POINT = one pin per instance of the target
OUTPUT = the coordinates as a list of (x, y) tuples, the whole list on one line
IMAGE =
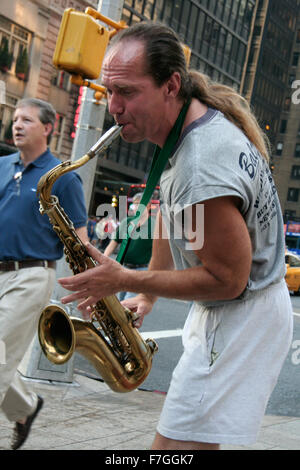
[(90, 124), (91, 117)]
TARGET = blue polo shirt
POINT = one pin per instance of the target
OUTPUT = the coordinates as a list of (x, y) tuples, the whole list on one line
[(24, 232)]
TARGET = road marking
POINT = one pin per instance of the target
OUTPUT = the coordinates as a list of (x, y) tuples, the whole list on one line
[(172, 333), (161, 334)]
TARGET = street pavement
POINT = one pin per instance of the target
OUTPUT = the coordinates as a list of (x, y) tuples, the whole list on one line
[(87, 415)]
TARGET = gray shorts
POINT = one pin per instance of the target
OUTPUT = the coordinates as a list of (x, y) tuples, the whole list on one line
[(232, 358)]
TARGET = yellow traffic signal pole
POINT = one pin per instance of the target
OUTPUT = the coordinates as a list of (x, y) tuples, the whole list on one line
[(77, 79), (89, 130), (80, 49), (91, 116), (98, 16)]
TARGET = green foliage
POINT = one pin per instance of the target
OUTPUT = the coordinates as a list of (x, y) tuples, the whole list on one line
[(22, 63), (6, 57)]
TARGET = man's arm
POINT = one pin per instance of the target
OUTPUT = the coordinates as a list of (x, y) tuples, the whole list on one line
[(110, 248), (161, 254), (82, 234), (226, 259)]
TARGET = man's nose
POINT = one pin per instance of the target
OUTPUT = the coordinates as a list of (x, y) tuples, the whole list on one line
[(17, 123), (115, 104)]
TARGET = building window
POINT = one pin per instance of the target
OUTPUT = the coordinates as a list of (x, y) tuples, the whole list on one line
[(279, 148), (283, 126), (292, 77), (288, 215), (56, 140), (6, 117), (61, 79), (295, 173), (18, 39), (297, 151), (295, 59), (287, 104), (293, 194)]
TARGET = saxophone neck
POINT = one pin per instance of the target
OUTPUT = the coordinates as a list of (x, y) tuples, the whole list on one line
[(46, 182)]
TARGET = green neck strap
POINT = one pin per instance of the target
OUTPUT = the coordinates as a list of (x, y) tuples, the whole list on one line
[(159, 161)]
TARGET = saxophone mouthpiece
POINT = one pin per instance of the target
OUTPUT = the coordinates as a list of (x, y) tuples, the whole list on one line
[(105, 140)]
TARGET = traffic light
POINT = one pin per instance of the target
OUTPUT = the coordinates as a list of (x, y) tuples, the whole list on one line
[(114, 201), (81, 44)]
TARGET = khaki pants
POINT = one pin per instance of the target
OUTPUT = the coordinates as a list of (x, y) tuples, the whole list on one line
[(23, 295)]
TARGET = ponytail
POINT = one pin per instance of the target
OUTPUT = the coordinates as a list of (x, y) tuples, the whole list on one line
[(234, 107)]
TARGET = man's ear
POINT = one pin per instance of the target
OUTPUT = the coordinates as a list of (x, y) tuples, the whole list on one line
[(48, 128), (173, 84)]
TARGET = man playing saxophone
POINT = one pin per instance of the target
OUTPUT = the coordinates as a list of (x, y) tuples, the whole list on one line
[(239, 329), (29, 249)]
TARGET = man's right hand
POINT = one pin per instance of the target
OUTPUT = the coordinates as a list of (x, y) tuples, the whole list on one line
[(141, 304)]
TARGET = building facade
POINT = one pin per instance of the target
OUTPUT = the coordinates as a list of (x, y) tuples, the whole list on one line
[(267, 83), (30, 28), (251, 45), (286, 155)]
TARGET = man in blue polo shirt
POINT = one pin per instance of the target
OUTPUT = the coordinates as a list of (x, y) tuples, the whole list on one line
[(29, 248)]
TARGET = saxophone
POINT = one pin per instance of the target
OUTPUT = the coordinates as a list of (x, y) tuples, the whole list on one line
[(109, 340)]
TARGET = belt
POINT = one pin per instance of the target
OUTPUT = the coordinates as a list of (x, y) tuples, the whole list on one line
[(30, 263), (135, 266)]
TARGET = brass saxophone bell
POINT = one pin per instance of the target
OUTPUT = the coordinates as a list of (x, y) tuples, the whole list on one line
[(56, 334), (115, 348), (123, 359)]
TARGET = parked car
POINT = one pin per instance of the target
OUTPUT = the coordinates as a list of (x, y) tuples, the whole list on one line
[(292, 276)]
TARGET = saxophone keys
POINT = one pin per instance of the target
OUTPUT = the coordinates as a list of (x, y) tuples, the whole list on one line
[(77, 247), (152, 345), (132, 316), (41, 208)]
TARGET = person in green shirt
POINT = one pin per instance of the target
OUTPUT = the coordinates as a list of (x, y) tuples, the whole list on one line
[(140, 248)]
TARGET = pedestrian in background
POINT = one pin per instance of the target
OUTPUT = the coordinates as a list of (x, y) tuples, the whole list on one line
[(29, 248), (140, 249), (91, 225), (105, 229)]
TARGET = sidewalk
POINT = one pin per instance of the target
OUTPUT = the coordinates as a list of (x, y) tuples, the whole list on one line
[(87, 415)]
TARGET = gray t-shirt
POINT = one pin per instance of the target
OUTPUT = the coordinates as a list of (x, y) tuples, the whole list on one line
[(213, 159)]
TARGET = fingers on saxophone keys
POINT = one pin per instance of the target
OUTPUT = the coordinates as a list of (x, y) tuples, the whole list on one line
[(138, 322)]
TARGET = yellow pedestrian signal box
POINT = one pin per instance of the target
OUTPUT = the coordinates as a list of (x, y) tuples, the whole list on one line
[(81, 44)]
